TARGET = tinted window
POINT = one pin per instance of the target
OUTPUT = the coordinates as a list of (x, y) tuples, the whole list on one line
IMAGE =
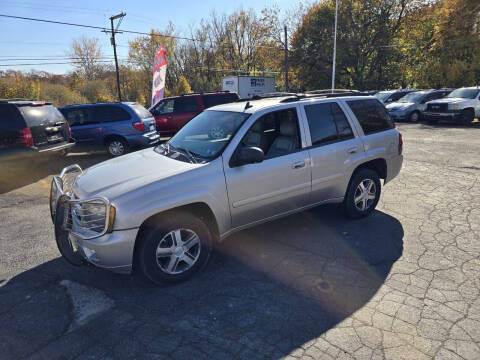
[(110, 114), (372, 115), (433, 96), (140, 111), (212, 100), (397, 96), (77, 117), (9, 120), (186, 104), (327, 123), (38, 115)]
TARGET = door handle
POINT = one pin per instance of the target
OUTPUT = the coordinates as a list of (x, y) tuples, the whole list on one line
[(298, 165), (352, 150)]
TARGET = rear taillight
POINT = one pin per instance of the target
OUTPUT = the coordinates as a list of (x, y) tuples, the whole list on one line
[(69, 131), (26, 137), (400, 144), (140, 126)]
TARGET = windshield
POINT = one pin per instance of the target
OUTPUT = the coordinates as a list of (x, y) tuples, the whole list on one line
[(141, 111), (383, 95), (206, 135), (414, 97), (464, 93)]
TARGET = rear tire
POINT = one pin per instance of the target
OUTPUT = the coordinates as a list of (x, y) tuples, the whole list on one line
[(362, 194), (467, 117), (117, 146), (174, 249)]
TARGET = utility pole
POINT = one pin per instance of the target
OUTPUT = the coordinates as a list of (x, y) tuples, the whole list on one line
[(112, 40), (334, 47), (286, 59)]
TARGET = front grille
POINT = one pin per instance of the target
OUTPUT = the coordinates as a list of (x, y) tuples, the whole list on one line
[(437, 107)]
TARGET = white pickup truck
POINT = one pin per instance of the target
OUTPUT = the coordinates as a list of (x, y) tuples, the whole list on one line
[(461, 105)]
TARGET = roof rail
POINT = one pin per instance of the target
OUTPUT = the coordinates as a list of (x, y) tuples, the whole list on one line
[(16, 99), (267, 96), (298, 97), (331, 91)]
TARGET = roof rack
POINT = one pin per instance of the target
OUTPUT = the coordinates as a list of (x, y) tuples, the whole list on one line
[(298, 97), (267, 96), (206, 92), (16, 99)]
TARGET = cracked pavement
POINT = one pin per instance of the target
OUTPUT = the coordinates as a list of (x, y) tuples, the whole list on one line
[(401, 284)]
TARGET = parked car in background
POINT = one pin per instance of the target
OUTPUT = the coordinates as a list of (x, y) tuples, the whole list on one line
[(172, 113), (116, 127), (30, 129), (390, 96), (411, 106), (158, 211), (461, 105)]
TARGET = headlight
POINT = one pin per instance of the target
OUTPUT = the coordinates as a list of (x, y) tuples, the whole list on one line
[(92, 218)]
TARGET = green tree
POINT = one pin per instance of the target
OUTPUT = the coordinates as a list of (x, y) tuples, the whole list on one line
[(183, 87)]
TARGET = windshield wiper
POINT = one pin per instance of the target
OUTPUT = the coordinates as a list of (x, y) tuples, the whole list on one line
[(183, 151)]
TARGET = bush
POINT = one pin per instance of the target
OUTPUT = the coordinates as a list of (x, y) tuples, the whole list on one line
[(60, 95), (95, 91)]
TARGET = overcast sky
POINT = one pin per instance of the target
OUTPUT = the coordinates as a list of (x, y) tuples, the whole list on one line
[(22, 41)]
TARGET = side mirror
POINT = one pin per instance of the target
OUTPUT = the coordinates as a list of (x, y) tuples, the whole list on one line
[(248, 155)]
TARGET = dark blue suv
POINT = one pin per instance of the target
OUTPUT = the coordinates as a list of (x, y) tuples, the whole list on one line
[(116, 127)]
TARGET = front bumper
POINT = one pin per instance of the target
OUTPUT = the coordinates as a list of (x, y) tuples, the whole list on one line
[(112, 250), (398, 116), (444, 115)]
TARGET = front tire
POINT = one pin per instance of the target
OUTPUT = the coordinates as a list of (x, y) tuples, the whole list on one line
[(467, 117), (414, 117), (175, 248), (362, 194)]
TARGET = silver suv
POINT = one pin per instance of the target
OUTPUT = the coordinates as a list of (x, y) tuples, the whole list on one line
[(158, 211)]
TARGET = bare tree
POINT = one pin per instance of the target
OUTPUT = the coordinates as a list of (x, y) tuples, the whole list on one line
[(85, 55)]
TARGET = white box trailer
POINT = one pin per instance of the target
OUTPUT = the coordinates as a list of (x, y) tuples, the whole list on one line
[(248, 86)]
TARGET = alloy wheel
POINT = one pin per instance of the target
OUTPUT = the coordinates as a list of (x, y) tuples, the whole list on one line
[(365, 194), (178, 251)]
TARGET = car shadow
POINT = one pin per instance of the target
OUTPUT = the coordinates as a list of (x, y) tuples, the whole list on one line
[(23, 172), (266, 292)]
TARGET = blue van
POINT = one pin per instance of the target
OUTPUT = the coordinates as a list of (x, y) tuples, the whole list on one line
[(116, 127)]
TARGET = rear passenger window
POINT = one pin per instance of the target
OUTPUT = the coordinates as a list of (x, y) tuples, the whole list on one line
[(372, 115), (9, 119), (76, 117), (212, 100), (186, 104), (327, 123), (110, 114)]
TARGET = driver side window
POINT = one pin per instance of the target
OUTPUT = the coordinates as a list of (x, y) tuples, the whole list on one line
[(276, 133)]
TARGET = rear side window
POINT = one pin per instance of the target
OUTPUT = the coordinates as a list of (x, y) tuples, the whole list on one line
[(397, 96), (327, 123), (9, 120), (141, 111), (213, 100), (39, 115), (185, 104), (371, 115), (110, 113)]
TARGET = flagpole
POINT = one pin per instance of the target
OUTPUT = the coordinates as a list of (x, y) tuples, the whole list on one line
[(334, 46)]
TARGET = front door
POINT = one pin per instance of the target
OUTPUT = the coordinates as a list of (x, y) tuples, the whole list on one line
[(279, 184)]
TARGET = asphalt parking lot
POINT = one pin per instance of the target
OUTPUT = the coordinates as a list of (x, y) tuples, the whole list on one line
[(401, 284)]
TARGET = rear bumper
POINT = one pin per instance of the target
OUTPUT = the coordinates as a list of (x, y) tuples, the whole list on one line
[(144, 140), (34, 152), (58, 147)]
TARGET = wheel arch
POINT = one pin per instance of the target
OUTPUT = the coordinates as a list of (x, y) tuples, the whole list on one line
[(109, 137), (200, 209)]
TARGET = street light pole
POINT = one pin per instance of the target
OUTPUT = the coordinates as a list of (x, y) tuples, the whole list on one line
[(334, 46), (121, 15)]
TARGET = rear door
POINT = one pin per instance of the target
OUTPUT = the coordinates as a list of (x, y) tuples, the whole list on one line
[(113, 120), (334, 149), (47, 124)]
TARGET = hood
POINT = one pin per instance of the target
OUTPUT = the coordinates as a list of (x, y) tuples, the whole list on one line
[(399, 106), (449, 101), (117, 176)]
